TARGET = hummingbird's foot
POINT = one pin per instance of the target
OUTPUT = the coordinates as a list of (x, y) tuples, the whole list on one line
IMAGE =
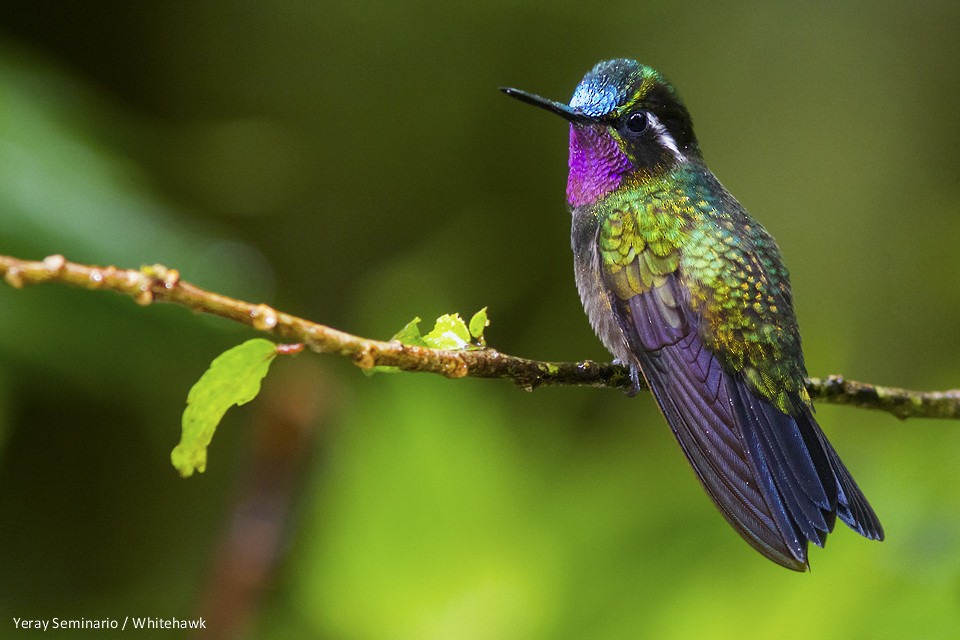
[(636, 382)]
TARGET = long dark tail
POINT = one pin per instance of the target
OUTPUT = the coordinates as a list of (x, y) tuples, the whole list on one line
[(774, 476)]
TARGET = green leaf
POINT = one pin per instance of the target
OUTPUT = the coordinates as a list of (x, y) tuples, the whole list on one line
[(410, 334), (232, 379), (450, 332), (478, 322)]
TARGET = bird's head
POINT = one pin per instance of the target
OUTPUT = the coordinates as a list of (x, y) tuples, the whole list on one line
[(625, 119)]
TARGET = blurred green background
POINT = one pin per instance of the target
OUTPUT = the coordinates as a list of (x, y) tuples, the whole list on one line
[(354, 163)]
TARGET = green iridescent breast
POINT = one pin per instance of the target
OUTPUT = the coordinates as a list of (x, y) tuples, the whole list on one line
[(641, 235)]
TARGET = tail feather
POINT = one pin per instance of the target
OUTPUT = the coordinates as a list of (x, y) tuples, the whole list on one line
[(773, 476)]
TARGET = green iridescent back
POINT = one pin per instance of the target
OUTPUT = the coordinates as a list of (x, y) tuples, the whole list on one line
[(683, 222)]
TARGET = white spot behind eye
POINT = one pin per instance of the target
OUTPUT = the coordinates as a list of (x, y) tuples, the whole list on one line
[(665, 139)]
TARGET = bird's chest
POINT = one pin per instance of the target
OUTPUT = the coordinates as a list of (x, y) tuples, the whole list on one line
[(594, 293), (626, 248)]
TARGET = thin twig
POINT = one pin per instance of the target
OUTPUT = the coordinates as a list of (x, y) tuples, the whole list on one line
[(159, 284)]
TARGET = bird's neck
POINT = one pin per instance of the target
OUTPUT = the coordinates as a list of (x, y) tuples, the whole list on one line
[(688, 191), (597, 165)]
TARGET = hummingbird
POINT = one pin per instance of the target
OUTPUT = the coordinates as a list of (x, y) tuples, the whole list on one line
[(683, 286)]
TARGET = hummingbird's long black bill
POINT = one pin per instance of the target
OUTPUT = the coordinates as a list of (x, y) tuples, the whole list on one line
[(564, 111)]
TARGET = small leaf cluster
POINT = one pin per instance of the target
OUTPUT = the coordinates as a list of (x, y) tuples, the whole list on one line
[(234, 378)]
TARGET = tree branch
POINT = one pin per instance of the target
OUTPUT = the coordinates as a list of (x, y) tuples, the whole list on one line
[(159, 284)]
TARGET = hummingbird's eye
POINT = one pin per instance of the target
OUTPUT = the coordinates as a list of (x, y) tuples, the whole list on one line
[(638, 122)]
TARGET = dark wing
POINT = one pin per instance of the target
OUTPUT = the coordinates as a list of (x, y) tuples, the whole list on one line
[(773, 476)]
